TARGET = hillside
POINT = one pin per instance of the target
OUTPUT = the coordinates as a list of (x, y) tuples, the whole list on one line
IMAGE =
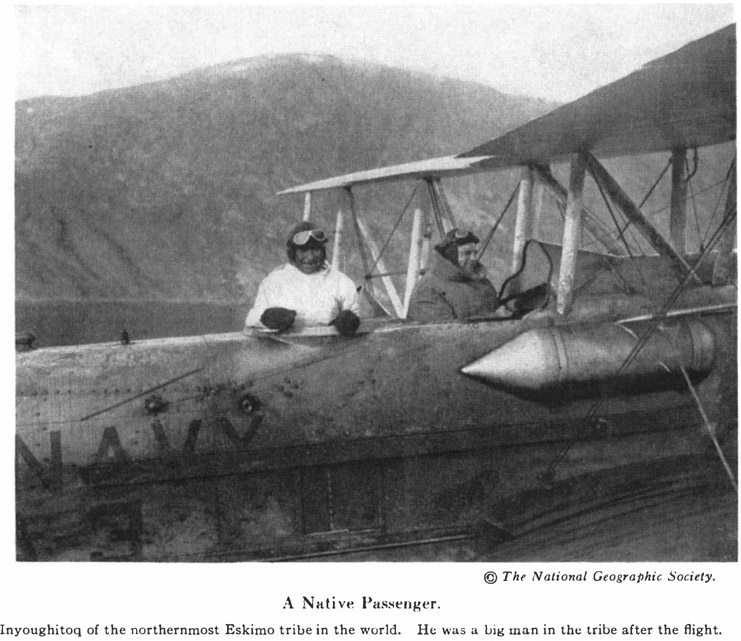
[(166, 191)]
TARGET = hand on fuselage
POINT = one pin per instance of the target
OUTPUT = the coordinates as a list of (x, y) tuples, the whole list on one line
[(278, 318), (347, 322)]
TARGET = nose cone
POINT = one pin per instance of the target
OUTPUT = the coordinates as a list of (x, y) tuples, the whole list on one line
[(549, 357), (529, 361)]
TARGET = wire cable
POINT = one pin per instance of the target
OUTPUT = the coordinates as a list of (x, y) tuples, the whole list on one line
[(622, 237), (493, 230), (709, 427), (648, 195), (393, 231), (728, 219), (688, 180)]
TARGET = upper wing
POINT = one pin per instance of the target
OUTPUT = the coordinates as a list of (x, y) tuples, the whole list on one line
[(431, 168), (682, 100)]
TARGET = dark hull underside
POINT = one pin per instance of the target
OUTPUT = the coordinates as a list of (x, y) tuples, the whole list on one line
[(652, 491)]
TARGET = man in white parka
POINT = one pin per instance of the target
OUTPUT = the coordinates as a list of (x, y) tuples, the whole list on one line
[(306, 291)]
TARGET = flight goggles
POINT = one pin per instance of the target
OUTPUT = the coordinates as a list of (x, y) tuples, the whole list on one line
[(465, 237), (304, 237)]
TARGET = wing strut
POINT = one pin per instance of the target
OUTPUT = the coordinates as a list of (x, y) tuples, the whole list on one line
[(443, 200), (415, 255), (678, 204), (384, 275), (440, 206), (367, 285), (338, 233), (571, 234), (307, 206), (591, 223), (623, 201), (523, 222), (725, 264)]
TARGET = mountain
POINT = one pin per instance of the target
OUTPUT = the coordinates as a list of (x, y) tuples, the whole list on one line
[(166, 191)]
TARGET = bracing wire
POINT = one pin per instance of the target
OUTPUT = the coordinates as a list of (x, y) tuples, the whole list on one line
[(622, 237), (359, 235), (393, 231), (656, 212), (647, 196), (709, 427), (659, 316), (435, 206), (695, 161), (493, 230), (688, 180), (716, 209)]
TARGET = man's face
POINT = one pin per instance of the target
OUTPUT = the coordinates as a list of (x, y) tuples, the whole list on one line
[(309, 259), (468, 257)]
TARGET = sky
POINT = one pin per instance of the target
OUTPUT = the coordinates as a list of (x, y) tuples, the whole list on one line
[(557, 52)]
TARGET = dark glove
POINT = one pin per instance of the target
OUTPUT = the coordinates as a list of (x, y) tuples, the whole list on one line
[(278, 318), (347, 322)]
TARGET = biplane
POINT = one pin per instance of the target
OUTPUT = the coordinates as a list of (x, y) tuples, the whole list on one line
[(607, 378)]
